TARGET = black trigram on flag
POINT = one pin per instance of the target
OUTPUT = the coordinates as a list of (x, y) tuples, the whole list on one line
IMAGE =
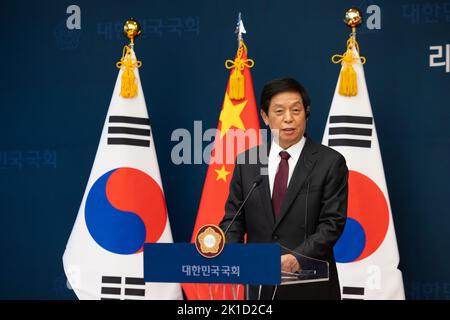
[(352, 293), (131, 131), (350, 131), (118, 288)]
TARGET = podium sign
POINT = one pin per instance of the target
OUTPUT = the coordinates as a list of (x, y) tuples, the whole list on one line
[(238, 263)]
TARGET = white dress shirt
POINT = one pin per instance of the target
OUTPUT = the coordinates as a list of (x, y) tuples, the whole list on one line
[(274, 159)]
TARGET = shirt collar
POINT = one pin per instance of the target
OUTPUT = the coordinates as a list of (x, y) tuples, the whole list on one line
[(294, 151)]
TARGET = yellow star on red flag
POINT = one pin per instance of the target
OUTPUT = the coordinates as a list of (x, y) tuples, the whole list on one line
[(222, 174), (230, 116)]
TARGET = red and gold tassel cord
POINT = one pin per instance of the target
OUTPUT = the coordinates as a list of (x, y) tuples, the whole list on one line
[(237, 87), (128, 88), (348, 85)]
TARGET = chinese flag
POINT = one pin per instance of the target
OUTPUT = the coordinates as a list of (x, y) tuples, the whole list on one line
[(239, 115)]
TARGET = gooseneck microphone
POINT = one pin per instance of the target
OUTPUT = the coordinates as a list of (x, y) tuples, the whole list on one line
[(257, 181)]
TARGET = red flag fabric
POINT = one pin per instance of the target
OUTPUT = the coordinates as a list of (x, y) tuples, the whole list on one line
[(237, 131)]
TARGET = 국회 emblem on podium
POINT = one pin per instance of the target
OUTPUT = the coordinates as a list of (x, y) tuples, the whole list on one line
[(210, 241)]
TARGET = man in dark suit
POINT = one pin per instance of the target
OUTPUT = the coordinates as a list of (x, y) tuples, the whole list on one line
[(301, 201)]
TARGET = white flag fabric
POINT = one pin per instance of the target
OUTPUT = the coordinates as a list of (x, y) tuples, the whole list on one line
[(366, 254), (123, 207)]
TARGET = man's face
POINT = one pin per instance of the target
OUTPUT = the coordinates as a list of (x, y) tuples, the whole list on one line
[(286, 118)]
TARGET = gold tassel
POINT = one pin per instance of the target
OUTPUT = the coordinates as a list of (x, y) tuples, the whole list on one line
[(237, 80), (348, 84), (128, 87)]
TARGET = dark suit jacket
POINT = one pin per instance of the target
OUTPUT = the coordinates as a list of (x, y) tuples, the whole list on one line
[(311, 219)]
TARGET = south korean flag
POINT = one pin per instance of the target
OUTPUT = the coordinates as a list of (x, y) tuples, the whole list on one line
[(366, 254), (123, 208)]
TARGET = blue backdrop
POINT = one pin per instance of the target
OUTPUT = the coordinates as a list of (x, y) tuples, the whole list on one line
[(57, 83)]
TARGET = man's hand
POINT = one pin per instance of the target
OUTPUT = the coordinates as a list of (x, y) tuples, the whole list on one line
[(289, 263)]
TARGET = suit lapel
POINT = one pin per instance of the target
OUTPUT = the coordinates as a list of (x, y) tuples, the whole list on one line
[(301, 172)]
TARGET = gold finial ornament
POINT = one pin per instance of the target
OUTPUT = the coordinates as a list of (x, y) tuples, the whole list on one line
[(353, 17), (131, 29)]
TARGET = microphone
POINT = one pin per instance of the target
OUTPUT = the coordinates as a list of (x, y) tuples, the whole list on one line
[(257, 181), (306, 209)]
